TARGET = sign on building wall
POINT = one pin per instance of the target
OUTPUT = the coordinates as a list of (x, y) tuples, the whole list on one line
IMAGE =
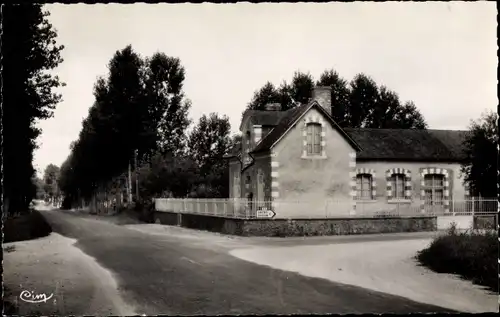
[(265, 213)]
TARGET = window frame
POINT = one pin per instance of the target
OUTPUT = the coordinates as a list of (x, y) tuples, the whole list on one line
[(313, 138), (395, 188), (359, 186), (406, 190), (433, 189), (313, 132)]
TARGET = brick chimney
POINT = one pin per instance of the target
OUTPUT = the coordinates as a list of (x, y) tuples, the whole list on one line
[(323, 95)]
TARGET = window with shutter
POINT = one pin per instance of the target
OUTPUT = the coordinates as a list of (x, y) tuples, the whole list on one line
[(313, 138), (364, 187)]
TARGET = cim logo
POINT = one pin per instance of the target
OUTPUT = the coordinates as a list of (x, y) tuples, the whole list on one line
[(31, 297)]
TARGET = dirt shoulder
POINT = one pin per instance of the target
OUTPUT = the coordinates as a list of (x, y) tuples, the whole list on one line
[(53, 266)]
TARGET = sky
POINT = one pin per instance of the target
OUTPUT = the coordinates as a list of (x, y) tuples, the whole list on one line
[(442, 56)]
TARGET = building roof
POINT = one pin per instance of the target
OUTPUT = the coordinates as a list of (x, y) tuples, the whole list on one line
[(453, 139), (264, 117), (233, 152), (371, 144), (409, 144)]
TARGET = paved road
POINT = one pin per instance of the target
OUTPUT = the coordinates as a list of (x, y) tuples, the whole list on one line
[(169, 275)]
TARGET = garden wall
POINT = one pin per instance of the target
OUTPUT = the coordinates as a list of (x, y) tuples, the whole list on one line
[(461, 222), (298, 227), (486, 221)]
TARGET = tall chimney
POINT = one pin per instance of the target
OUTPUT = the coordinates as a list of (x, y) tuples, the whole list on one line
[(323, 95)]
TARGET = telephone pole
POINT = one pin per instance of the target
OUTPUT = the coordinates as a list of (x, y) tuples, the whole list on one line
[(129, 183), (136, 178)]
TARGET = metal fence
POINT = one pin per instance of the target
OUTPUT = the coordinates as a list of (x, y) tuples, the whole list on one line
[(234, 208), (473, 206), (285, 209)]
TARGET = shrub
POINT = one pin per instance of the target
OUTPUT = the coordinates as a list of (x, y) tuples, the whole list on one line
[(472, 255), (452, 230), (26, 227), (121, 209), (145, 208)]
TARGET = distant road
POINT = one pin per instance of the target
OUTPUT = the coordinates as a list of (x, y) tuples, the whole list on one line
[(160, 274)]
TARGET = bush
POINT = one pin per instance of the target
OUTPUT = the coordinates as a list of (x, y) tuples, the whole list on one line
[(145, 208), (472, 255), (26, 227)]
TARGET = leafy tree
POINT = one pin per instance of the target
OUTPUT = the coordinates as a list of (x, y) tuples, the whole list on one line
[(301, 87), (363, 99), (355, 104), (481, 164), (39, 183), (29, 52), (236, 141), (167, 118), (50, 180), (340, 95), (267, 94), (208, 143), (167, 175), (389, 113), (124, 104), (287, 95), (139, 106), (111, 132)]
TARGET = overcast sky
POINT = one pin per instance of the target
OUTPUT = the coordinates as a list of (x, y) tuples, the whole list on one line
[(440, 55)]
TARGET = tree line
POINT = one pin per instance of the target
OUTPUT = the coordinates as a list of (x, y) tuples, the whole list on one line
[(139, 122), (47, 187), (135, 137), (29, 52), (359, 103)]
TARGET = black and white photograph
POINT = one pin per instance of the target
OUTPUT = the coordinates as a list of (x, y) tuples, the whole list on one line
[(249, 158)]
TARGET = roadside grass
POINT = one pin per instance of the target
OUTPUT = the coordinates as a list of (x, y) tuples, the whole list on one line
[(9, 306), (25, 227), (143, 212), (135, 213), (473, 255)]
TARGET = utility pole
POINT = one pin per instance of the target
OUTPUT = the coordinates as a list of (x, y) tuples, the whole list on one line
[(129, 183), (136, 178)]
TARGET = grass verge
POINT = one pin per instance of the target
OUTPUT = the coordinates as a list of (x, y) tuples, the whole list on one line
[(473, 255), (9, 307), (25, 227)]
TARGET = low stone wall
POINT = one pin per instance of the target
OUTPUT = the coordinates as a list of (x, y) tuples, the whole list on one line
[(167, 218), (486, 221), (461, 222), (211, 223), (323, 227), (298, 227)]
